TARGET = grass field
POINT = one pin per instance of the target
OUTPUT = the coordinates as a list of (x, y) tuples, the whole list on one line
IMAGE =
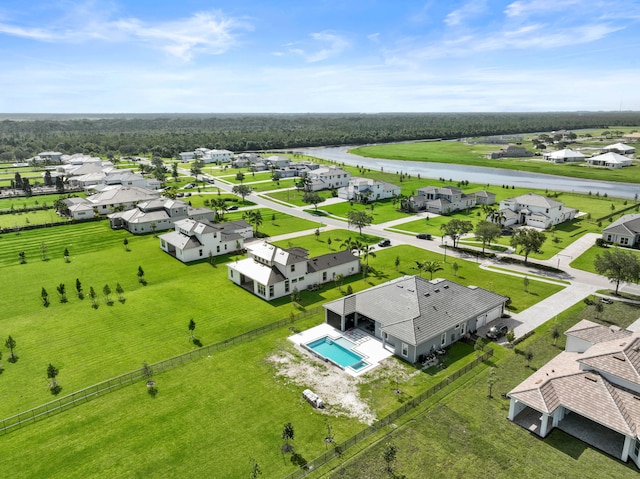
[(474, 154), (321, 245), (383, 210), (294, 197), (586, 259)]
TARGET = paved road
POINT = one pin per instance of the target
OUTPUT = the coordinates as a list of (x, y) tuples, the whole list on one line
[(581, 283)]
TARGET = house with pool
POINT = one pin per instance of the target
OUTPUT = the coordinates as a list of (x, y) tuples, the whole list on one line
[(415, 316)]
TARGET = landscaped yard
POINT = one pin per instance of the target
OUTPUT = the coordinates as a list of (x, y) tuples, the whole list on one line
[(586, 259), (467, 434), (327, 241), (275, 223), (295, 196)]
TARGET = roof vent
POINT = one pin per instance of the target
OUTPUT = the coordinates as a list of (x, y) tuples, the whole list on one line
[(446, 286), (426, 295), (591, 377), (538, 381), (619, 357), (436, 290)]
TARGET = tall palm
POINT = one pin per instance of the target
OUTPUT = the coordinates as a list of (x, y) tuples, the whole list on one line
[(428, 266), (220, 207)]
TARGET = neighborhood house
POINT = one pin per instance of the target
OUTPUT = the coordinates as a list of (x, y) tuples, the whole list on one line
[(272, 272), (444, 200), (533, 210), (624, 231), (366, 189), (416, 316), (327, 178), (157, 215), (591, 391), (610, 160), (193, 240)]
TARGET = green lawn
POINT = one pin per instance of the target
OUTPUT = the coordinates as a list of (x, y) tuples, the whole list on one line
[(24, 202), (29, 218), (586, 259), (294, 197), (327, 242), (467, 434), (272, 185), (382, 212), (276, 223), (474, 154)]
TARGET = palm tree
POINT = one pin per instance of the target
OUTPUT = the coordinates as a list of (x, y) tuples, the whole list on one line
[(428, 266), (220, 207), (255, 218)]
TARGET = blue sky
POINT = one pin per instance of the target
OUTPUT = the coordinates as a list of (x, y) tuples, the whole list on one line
[(200, 56)]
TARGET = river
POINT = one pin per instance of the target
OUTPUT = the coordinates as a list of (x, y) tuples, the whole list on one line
[(479, 174)]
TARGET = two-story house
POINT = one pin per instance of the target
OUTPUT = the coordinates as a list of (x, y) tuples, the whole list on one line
[(533, 210), (193, 240), (441, 200), (271, 272), (326, 178), (366, 189)]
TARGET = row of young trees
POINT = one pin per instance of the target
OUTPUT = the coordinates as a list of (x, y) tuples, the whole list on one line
[(61, 289)]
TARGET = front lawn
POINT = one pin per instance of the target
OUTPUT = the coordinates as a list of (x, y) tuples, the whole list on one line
[(295, 196)]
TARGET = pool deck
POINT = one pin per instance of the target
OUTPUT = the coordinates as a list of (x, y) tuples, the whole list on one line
[(366, 345)]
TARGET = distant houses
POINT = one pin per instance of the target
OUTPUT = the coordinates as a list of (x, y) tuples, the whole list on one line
[(193, 240), (533, 210), (272, 272), (207, 155), (416, 316), (620, 148), (610, 160), (509, 151), (625, 231), (565, 155)]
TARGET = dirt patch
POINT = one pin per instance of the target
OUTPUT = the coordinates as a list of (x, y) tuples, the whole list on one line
[(338, 390)]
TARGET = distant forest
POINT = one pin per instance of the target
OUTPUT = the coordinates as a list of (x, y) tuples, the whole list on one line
[(24, 136)]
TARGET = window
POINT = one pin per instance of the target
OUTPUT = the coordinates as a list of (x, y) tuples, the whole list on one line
[(294, 280), (261, 289), (443, 340), (457, 326), (164, 245), (624, 240), (293, 268), (286, 286), (608, 237), (231, 273), (271, 291), (324, 276), (636, 448), (301, 278), (200, 252), (405, 349), (463, 328), (218, 249)]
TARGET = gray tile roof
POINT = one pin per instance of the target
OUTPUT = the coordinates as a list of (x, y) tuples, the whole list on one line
[(625, 225), (534, 199), (326, 261), (414, 309), (596, 333)]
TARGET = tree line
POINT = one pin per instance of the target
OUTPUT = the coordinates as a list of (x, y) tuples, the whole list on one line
[(167, 135)]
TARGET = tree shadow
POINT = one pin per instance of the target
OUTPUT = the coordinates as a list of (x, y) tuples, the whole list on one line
[(197, 342)]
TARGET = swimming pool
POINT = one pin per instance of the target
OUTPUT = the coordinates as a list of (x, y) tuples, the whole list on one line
[(339, 354)]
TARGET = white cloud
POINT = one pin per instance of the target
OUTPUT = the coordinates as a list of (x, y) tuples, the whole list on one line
[(333, 45), (469, 10), (209, 33), (521, 8)]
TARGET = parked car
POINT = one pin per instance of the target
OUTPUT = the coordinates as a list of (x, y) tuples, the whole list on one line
[(426, 236), (232, 208), (606, 300), (497, 331), (189, 185), (384, 242)]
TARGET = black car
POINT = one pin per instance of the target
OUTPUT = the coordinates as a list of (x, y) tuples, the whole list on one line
[(426, 236), (232, 208), (497, 331), (384, 243)]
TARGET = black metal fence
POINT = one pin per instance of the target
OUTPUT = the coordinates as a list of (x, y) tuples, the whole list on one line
[(84, 395), (339, 449)]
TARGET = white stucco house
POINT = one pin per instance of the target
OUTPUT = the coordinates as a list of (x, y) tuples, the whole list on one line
[(610, 160), (624, 231), (416, 316), (271, 272), (193, 240), (110, 199), (591, 391), (366, 189), (566, 155), (534, 210), (157, 215), (620, 148), (326, 178)]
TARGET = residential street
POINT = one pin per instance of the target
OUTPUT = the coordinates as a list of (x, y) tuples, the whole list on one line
[(581, 283)]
